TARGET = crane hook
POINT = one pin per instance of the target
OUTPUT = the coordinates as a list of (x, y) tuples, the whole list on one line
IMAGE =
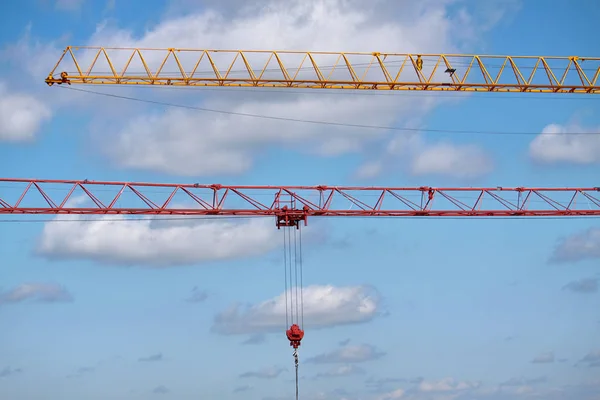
[(295, 335)]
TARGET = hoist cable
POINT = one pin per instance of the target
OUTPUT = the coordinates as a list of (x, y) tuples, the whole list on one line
[(301, 284), (289, 234), (294, 287), (296, 274)]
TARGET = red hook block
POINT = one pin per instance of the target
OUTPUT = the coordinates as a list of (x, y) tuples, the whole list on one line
[(295, 335)]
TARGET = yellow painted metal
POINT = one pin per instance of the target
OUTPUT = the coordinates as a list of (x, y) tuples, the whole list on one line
[(327, 70)]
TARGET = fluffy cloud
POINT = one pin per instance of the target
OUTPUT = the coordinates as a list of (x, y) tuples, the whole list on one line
[(258, 338), (394, 394), (578, 247), (586, 285), (21, 115), (8, 371), (460, 161), (152, 358), (172, 142), (348, 354), (197, 296), (341, 370), (160, 390), (265, 373), (556, 144), (522, 381), (323, 306), (116, 240), (544, 358), (242, 388), (447, 385), (514, 389), (36, 292), (443, 389), (591, 359)]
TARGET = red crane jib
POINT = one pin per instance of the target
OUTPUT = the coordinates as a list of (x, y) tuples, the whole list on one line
[(295, 335), (291, 205)]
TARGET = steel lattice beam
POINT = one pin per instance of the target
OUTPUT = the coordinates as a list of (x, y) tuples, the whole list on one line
[(290, 204), (327, 70)]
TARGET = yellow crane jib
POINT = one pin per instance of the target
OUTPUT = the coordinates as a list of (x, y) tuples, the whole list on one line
[(326, 70)]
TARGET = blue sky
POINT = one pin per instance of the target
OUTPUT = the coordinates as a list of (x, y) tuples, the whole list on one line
[(442, 309)]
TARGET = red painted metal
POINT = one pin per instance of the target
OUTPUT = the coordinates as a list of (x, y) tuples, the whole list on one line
[(295, 335), (292, 204)]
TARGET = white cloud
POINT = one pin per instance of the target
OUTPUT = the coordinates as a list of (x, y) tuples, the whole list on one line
[(116, 240), (592, 359), (348, 354), (544, 358), (21, 115), (341, 370), (578, 247), (459, 161), (393, 395), (447, 385), (265, 373), (586, 285), (197, 144), (369, 170), (443, 389), (462, 161), (556, 145), (36, 292), (323, 306)]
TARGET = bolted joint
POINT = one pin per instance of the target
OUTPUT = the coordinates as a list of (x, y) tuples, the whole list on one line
[(64, 78)]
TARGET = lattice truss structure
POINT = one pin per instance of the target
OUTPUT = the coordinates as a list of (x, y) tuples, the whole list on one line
[(289, 204), (327, 70)]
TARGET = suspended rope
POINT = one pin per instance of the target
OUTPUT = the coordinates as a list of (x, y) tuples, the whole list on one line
[(294, 302)]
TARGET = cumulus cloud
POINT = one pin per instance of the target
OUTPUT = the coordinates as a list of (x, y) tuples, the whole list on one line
[(578, 247), (265, 373), (591, 359), (255, 339), (393, 395), (544, 358), (380, 383), (447, 385), (81, 371), (36, 292), (197, 296), (443, 389), (160, 390), (459, 161), (117, 240), (422, 157), (8, 371), (341, 370), (522, 381), (199, 144), (557, 144), (21, 115), (173, 144), (348, 354), (242, 388), (586, 285), (324, 306), (152, 358)]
